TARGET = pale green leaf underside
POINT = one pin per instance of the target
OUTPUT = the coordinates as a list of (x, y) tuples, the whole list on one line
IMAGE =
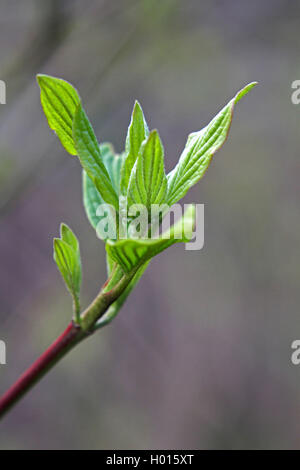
[(136, 134), (199, 150), (59, 100), (88, 152), (91, 196), (113, 163), (91, 199), (132, 253), (148, 181)]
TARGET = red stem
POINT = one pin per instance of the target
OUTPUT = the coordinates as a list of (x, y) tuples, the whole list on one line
[(66, 341)]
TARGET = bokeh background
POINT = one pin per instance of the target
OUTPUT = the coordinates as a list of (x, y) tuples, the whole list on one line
[(200, 356)]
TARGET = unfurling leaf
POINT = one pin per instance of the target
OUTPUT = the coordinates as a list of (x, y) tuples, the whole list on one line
[(131, 253), (88, 152), (59, 101), (113, 163), (199, 150), (136, 134), (148, 181), (91, 196), (67, 257)]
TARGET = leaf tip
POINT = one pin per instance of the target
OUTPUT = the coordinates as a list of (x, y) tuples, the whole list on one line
[(40, 77), (56, 242), (244, 91), (63, 228), (137, 109), (153, 133), (137, 113)]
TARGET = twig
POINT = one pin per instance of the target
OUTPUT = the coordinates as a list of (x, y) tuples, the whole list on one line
[(74, 333)]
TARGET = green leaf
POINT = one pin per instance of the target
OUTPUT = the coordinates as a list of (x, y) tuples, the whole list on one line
[(199, 150), (68, 237), (91, 196), (113, 163), (131, 253), (91, 200), (67, 257), (88, 152), (148, 181), (59, 101), (137, 133)]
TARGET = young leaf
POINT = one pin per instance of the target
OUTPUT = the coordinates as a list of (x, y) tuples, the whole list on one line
[(91, 196), (113, 163), (88, 152), (67, 257), (148, 182), (68, 237), (137, 133), (91, 200), (59, 101), (199, 150), (134, 252)]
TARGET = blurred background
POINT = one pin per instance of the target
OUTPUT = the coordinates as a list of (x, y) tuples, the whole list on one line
[(200, 356)]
